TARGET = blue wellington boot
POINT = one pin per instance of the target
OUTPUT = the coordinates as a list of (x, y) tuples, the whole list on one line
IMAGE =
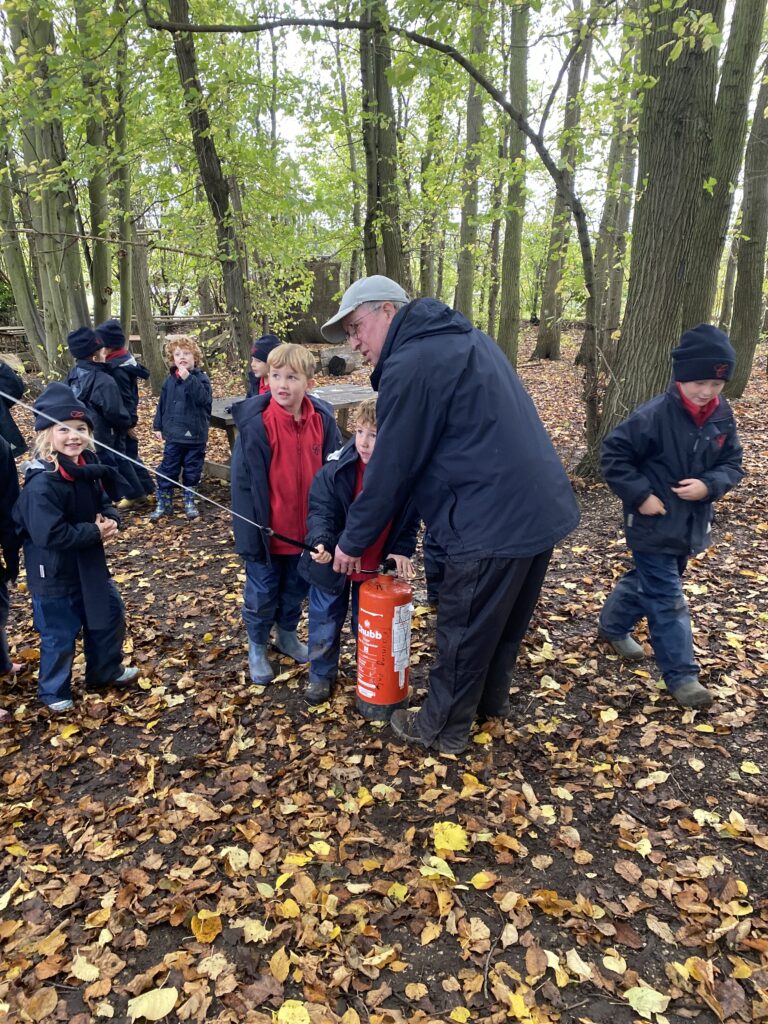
[(288, 643), (258, 665)]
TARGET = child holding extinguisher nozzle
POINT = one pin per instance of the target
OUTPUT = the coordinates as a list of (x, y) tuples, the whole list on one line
[(333, 490)]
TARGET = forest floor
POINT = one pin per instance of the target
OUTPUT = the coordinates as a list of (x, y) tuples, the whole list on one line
[(201, 849)]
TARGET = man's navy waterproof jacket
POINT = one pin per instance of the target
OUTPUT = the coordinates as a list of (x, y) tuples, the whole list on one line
[(12, 384), (184, 408), (127, 373), (459, 434), (46, 516), (655, 448), (251, 459), (331, 494), (94, 385)]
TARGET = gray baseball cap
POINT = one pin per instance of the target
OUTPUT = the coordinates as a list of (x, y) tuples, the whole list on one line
[(368, 289)]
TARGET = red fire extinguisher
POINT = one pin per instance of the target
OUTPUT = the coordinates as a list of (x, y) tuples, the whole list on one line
[(383, 646)]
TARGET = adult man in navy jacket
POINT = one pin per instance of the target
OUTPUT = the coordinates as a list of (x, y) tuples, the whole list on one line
[(459, 434)]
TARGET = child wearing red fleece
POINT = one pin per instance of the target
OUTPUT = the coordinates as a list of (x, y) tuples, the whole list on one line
[(284, 436)]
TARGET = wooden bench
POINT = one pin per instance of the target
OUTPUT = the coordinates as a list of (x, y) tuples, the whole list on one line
[(341, 397)]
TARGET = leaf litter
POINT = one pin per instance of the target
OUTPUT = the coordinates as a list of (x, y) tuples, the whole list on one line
[(205, 850)]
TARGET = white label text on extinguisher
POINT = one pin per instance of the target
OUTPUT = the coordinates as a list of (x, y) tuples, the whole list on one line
[(401, 636)]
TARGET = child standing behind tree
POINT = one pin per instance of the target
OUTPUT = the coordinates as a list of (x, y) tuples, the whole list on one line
[(668, 461), (92, 383), (258, 375), (65, 519), (181, 421), (283, 437), (333, 490), (127, 373)]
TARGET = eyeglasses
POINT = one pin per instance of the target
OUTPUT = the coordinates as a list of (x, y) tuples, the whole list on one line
[(351, 331)]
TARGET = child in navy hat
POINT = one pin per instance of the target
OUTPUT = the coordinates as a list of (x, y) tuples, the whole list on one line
[(65, 519), (668, 461), (258, 375), (127, 373), (92, 383)]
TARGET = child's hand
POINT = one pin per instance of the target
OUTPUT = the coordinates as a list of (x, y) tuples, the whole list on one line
[(652, 506), (183, 372), (107, 528), (691, 490), (158, 434), (403, 566), (320, 555)]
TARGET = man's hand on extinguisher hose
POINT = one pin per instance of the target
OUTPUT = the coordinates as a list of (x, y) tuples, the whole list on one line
[(344, 563), (403, 566)]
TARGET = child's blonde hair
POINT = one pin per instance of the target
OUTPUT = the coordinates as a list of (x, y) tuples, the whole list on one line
[(295, 357), (42, 447), (174, 341), (366, 414)]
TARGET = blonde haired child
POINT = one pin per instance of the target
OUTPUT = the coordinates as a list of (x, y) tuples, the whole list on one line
[(283, 437), (65, 519), (181, 421)]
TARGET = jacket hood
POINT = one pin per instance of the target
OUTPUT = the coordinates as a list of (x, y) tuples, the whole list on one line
[(420, 319), (129, 364)]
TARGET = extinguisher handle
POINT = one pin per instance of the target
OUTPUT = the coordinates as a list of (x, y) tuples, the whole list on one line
[(388, 565)]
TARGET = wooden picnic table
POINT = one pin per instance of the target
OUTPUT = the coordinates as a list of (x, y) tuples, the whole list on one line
[(341, 398)]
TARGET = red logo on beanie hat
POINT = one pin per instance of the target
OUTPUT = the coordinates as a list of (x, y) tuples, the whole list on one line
[(77, 414), (721, 369)]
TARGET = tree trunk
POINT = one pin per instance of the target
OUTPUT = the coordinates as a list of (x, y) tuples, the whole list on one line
[(548, 341), (509, 314), (748, 293), (726, 308), (494, 242), (427, 282), (124, 219), (151, 349), (214, 182), (98, 192), (13, 260), (465, 270), (52, 206), (729, 131), (611, 244), (382, 219), (674, 132), (357, 216)]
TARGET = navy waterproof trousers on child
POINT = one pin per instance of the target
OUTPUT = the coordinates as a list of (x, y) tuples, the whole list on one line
[(274, 593), (181, 459), (654, 590), (327, 615), (5, 658), (59, 621)]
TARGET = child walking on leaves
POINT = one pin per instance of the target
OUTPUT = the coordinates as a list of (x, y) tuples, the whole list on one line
[(284, 436), (181, 420), (65, 519), (668, 461)]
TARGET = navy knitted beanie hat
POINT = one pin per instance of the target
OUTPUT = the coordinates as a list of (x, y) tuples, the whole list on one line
[(58, 402), (704, 353), (263, 346), (111, 334), (84, 342)]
